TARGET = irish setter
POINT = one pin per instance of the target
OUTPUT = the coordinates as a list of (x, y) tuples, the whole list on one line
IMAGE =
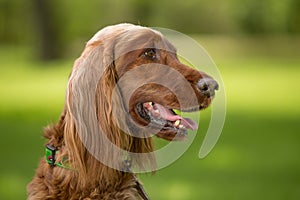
[(122, 90)]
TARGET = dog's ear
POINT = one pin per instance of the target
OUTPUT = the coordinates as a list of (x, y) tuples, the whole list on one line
[(82, 129), (92, 129)]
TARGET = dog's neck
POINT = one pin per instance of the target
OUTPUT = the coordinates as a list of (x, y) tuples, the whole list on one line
[(96, 174)]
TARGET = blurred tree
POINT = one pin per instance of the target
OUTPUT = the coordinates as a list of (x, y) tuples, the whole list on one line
[(47, 29), (253, 19), (59, 28), (142, 11), (6, 12), (192, 16), (293, 18), (13, 16)]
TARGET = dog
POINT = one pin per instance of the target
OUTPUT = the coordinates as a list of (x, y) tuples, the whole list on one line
[(122, 90)]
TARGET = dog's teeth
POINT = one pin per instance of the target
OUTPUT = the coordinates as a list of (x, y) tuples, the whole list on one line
[(180, 126), (177, 122), (148, 105)]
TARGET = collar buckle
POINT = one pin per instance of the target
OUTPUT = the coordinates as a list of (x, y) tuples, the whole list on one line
[(50, 154)]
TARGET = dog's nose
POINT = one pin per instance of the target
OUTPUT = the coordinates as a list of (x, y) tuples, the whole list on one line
[(207, 86)]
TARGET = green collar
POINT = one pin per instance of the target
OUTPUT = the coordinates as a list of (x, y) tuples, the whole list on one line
[(50, 157)]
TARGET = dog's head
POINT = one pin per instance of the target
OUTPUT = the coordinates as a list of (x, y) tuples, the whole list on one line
[(140, 66), (126, 84), (153, 83)]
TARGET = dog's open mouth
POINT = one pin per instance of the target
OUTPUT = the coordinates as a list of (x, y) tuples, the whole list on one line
[(165, 119)]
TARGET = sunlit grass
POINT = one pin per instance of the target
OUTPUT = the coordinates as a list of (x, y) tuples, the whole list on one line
[(262, 85), (11, 186)]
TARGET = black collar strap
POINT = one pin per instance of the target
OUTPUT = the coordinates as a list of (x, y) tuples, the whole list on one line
[(50, 157)]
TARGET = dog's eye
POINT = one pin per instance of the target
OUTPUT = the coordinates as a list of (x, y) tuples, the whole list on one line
[(150, 53)]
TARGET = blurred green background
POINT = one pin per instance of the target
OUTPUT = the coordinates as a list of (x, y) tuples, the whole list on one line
[(255, 44)]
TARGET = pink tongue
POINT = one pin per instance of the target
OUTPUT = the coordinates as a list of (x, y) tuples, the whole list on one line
[(170, 116), (189, 123)]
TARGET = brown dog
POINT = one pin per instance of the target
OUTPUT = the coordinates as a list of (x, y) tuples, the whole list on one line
[(124, 86)]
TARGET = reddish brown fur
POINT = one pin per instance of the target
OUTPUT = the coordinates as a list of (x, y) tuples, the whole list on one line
[(89, 178)]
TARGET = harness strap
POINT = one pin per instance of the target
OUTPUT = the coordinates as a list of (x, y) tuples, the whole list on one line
[(140, 189), (138, 185)]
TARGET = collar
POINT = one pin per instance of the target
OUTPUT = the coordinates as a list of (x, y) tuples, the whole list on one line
[(50, 157)]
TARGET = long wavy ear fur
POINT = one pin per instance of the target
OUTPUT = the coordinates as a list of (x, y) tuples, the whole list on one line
[(81, 126), (91, 130)]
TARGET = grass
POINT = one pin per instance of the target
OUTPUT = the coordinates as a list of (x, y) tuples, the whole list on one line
[(257, 156)]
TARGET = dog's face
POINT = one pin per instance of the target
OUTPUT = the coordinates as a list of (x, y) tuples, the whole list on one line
[(153, 82)]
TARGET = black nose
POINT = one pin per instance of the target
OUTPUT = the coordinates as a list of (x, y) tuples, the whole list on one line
[(207, 86)]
